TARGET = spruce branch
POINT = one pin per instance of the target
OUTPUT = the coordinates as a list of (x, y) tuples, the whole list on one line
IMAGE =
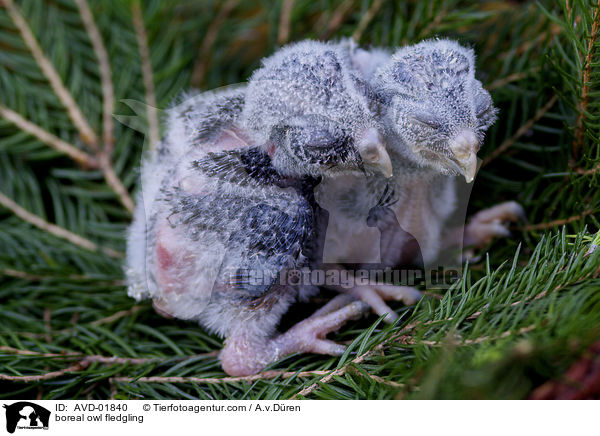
[(87, 134), (46, 376), (502, 82), (148, 76), (366, 19), (330, 375), (591, 171), (265, 375), (82, 158), (585, 80), (520, 132), (108, 92), (332, 22), (283, 32), (85, 131), (208, 43), (55, 230), (558, 222)]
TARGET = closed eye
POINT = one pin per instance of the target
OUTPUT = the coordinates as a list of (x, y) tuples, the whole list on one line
[(426, 120), (484, 111)]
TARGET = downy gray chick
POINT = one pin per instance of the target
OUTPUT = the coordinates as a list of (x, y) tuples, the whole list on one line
[(436, 113), (437, 116), (311, 88), (233, 208)]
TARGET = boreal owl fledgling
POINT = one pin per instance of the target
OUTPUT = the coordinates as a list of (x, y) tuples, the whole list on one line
[(436, 113), (229, 205), (312, 84)]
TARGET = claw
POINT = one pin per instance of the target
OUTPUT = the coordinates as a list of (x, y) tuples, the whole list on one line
[(375, 296), (491, 223)]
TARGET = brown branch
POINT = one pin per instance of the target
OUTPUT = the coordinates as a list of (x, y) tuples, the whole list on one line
[(554, 30), (569, 9), (101, 321), (47, 376), (118, 315), (559, 222), (378, 379), (48, 138), (585, 172), (47, 324), (266, 375), (20, 274), (209, 40), (82, 364), (53, 229), (283, 33), (585, 90), (522, 130), (480, 339), (366, 19), (108, 92), (20, 352), (499, 83), (37, 278), (332, 24), (151, 106), (87, 134), (115, 183)]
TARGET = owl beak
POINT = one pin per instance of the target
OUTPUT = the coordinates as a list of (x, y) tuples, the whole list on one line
[(464, 148), (373, 153)]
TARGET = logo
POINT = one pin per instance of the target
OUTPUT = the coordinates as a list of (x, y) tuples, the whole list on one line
[(26, 415)]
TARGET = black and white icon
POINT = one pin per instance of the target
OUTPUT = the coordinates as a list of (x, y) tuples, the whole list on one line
[(26, 415)]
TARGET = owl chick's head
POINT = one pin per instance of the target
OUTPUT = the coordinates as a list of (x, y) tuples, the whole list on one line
[(436, 106), (313, 114)]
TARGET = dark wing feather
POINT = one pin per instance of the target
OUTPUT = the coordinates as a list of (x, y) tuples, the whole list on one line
[(270, 241), (264, 226)]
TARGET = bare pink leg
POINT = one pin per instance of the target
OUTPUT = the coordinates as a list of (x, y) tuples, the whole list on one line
[(244, 353)]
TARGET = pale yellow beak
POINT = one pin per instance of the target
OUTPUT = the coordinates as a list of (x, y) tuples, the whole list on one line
[(373, 153), (464, 147)]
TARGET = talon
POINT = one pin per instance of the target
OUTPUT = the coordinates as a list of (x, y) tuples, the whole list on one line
[(491, 223)]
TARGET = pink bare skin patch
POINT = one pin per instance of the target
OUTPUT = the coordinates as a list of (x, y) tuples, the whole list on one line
[(172, 259)]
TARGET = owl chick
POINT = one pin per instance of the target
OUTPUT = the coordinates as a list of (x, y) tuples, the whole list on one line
[(313, 84), (234, 209), (436, 114)]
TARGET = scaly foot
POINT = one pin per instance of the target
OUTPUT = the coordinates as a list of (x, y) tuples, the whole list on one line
[(376, 295), (491, 223), (245, 354)]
